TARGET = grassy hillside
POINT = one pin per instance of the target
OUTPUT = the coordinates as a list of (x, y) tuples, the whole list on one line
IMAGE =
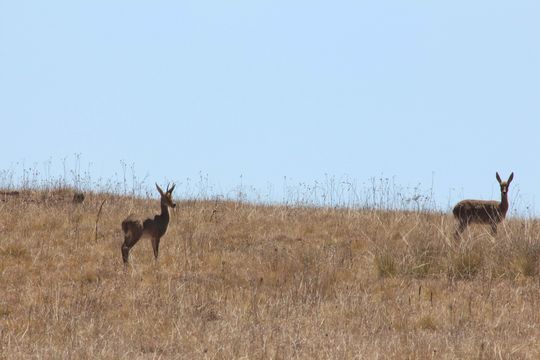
[(236, 280)]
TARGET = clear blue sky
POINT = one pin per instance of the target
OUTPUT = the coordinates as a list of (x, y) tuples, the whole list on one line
[(447, 91)]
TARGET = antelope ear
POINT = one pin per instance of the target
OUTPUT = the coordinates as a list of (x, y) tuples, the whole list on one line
[(171, 189), (510, 178), (498, 177), (159, 189)]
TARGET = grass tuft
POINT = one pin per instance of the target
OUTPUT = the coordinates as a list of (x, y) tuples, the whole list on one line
[(466, 263), (17, 251), (385, 264), (427, 323)]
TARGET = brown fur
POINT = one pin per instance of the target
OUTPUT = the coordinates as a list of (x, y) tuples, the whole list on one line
[(134, 229), (483, 212)]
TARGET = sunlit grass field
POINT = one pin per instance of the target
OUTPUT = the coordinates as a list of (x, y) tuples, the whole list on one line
[(236, 280)]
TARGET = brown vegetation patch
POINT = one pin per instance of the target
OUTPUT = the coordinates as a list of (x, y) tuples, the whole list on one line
[(236, 280)]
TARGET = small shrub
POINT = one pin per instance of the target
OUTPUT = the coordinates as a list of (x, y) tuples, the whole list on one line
[(516, 257), (525, 263), (427, 323), (4, 312), (385, 264), (89, 277), (465, 264), (421, 260), (15, 251)]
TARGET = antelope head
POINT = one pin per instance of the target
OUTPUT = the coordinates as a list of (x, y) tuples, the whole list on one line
[(505, 184), (166, 197)]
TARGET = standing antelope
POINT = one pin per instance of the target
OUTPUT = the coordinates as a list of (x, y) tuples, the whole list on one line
[(135, 229), (483, 212)]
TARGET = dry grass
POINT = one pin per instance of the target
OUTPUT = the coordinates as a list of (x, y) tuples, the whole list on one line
[(243, 281)]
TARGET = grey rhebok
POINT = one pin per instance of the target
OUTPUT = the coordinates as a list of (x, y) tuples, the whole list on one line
[(134, 229), (482, 211)]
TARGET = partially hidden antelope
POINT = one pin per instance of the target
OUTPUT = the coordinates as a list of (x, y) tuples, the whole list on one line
[(481, 211), (134, 229)]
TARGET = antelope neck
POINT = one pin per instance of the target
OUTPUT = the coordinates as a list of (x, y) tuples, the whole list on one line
[(504, 202), (164, 211)]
